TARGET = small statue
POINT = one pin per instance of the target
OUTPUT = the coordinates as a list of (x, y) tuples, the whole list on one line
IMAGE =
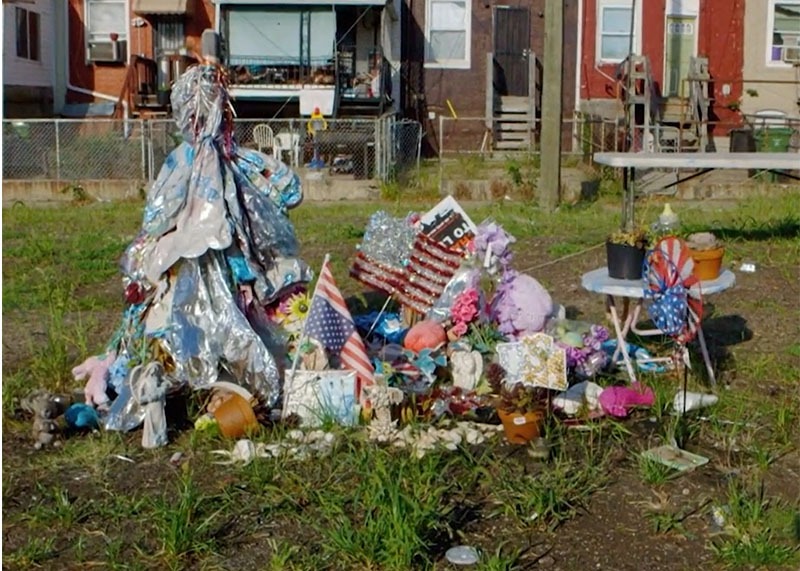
[(45, 410), (467, 369)]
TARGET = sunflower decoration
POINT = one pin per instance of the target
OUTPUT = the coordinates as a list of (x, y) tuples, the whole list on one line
[(299, 304)]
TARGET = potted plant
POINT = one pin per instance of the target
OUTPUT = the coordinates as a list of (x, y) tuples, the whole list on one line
[(625, 250), (163, 95), (707, 252), (521, 409)]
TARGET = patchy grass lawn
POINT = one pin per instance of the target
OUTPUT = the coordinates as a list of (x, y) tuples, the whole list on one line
[(595, 504)]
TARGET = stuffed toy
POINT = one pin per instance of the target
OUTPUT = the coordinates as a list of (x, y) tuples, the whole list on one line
[(521, 305), (96, 369), (45, 411)]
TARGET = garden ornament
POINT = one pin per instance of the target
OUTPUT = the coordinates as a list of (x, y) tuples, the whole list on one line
[(96, 369), (467, 368), (45, 411)]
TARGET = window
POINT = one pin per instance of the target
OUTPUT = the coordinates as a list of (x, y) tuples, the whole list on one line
[(614, 33), (28, 34), (784, 28), (168, 35), (447, 33), (104, 18)]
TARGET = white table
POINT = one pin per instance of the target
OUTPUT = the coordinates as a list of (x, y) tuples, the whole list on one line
[(704, 161), (598, 281)]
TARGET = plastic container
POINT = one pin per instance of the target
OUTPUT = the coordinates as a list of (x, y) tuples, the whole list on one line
[(624, 262), (521, 428), (235, 417), (707, 263), (774, 139), (668, 222)]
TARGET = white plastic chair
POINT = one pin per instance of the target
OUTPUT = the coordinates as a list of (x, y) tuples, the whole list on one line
[(289, 143), (263, 137)]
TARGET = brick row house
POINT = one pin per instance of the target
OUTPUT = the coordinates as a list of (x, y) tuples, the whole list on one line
[(477, 59)]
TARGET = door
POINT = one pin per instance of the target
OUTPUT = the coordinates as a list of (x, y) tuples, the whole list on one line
[(680, 44), (512, 43)]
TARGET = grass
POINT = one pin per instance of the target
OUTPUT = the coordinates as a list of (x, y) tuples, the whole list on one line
[(366, 506)]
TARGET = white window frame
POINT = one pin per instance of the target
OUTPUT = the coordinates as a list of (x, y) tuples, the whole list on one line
[(636, 15), (123, 28), (28, 12), (459, 63), (771, 29)]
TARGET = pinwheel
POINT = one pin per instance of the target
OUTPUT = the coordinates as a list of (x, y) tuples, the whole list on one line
[(676, 302)]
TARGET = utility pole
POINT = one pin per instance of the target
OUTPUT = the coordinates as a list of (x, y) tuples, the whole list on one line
[(550, 140)]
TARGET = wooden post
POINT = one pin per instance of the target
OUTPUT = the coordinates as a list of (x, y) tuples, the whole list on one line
[(550, 170)]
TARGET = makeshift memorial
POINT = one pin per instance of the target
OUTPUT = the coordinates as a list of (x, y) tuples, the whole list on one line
[(150, 391), (45, 410), (583, 343), (235, 416), (215, 249), (619, 400), (520, 407), (319, 396), (448, 224), (625, 251), (535, 361), (580, 397), (426, 334), (707, 252)]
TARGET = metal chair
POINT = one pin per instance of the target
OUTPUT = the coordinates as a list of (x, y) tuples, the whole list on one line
[(263, 137)]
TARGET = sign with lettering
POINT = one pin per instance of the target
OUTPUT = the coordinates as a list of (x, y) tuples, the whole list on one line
[(448, 224)]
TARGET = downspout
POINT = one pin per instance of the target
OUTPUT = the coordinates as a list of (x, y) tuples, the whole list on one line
[(577, 131), (96, 94)]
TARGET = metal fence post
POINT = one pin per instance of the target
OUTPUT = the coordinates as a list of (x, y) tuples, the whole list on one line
[(58, 152), (441, 153), (144, 151)]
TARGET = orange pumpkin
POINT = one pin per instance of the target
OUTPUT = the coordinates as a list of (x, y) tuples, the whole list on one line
[(427, 334)]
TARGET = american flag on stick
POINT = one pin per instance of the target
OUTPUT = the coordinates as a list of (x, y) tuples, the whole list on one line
[(329, 322)]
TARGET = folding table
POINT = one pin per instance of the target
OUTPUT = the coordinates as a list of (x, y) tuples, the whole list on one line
[(621, 292), (704, 162)]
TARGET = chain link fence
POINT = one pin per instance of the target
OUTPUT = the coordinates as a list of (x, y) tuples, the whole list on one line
[(77, 150)]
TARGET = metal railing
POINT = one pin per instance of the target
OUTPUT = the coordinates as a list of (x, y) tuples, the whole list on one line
[(68, 150)]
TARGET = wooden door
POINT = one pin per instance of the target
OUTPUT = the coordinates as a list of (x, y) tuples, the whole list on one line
[(512, 43)]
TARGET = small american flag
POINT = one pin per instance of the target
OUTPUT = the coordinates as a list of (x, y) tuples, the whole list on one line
[(329, 322)]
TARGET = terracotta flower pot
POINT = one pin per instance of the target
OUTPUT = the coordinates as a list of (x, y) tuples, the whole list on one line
[(707, 263), (521, 428), (235, 417)]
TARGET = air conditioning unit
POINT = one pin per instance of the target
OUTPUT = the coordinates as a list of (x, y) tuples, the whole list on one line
[(107, 51), (791, 54)]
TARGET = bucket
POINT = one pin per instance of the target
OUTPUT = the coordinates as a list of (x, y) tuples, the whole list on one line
[(235, 417), (707, 263), (624, 262), (521, 428)]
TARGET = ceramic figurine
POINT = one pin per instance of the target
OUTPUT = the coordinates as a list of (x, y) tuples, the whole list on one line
[(150, 391), (467, 368)]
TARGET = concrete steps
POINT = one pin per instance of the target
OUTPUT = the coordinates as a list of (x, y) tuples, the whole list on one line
[(513, 123)]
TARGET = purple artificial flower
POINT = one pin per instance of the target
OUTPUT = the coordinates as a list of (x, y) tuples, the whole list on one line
[(492, 234)]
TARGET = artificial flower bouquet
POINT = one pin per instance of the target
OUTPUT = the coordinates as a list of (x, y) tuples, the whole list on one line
[(583, 343)]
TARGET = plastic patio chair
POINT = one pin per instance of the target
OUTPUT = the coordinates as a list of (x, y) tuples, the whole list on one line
[(289, 143), (263, 137)]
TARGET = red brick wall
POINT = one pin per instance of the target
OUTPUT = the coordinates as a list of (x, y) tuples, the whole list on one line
[(109, 78), (720, 38)]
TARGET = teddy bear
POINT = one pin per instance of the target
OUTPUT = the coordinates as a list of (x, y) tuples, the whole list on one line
[(45, 411)]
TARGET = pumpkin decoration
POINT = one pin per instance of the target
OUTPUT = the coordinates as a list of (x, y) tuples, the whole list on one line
[(426, 334)]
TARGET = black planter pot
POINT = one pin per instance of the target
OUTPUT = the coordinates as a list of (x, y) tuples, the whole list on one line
[(624, 262)]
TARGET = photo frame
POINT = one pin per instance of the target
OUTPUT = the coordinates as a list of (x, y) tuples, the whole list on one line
[(320, 396)]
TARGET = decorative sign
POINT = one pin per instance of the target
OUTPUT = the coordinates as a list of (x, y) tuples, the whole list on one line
[(448, 224), (315, 396), (535, 361)]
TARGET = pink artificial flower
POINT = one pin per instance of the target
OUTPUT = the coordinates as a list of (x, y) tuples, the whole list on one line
[(465, 307)]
